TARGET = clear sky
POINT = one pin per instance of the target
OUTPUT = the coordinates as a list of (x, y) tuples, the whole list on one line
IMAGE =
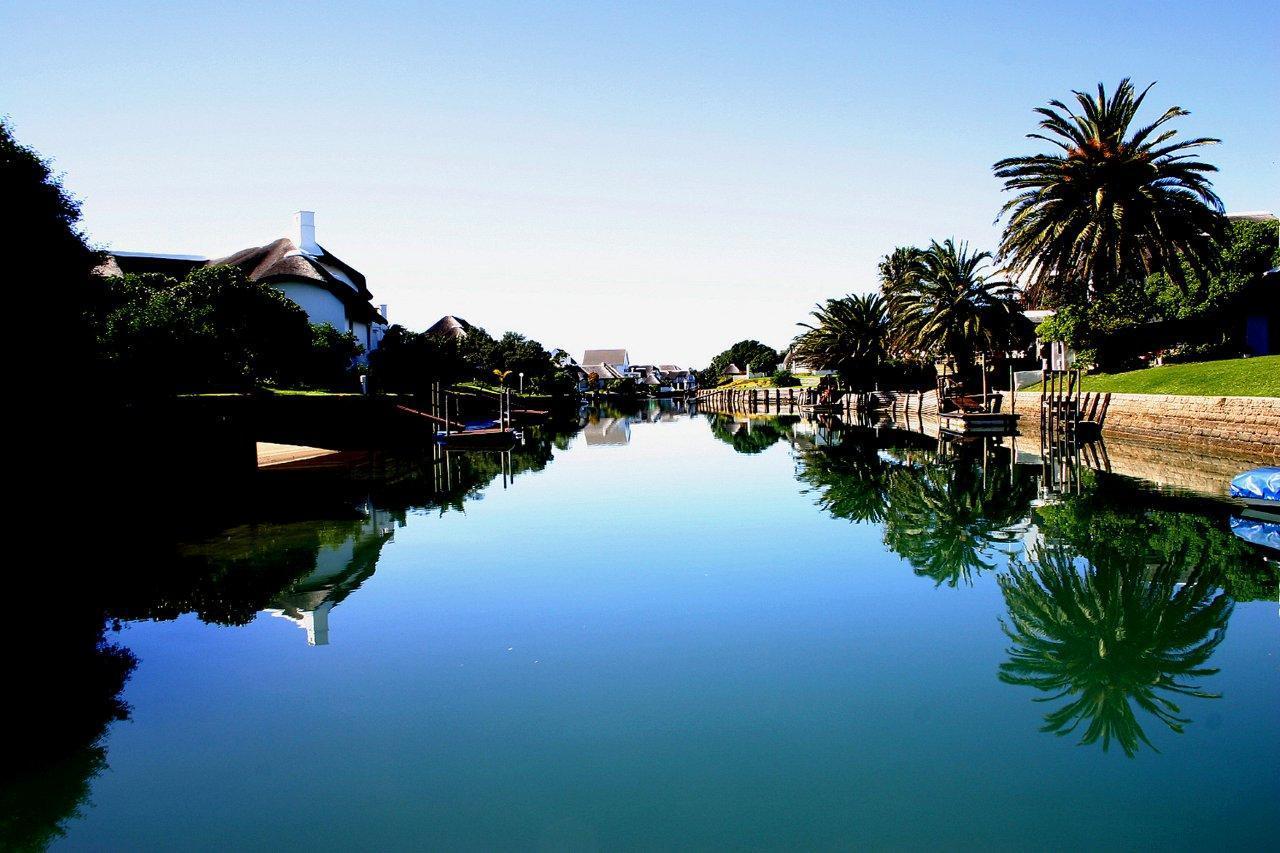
[(666, 177)]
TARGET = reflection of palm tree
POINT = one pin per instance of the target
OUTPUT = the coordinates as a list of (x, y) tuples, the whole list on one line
[(944, 519), (941, 515), (851, 481), (1118, 631)]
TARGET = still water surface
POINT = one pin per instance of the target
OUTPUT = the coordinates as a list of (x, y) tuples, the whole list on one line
[(675, 631)]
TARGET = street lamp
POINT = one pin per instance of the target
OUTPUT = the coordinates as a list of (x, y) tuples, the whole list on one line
[(521, 383)]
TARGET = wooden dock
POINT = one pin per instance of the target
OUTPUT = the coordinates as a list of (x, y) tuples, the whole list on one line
[(776, 401), (272, 454)]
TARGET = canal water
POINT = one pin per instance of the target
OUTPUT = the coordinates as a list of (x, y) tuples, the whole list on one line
[(678, 631)]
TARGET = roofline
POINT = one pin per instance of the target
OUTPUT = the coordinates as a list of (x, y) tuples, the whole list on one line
[(164, 256)]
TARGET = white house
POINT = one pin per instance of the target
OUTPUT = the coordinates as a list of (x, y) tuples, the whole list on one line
[(327, 288), (607, 364)]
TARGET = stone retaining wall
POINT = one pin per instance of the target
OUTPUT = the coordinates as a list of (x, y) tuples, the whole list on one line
[(1245, 427)]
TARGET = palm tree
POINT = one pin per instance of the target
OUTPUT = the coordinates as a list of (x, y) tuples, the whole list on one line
[(849, 335), (898, 268), (1122, 630), (951, 306), (1107, 210)]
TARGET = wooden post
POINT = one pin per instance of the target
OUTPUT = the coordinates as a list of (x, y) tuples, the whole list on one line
[(986, 404)]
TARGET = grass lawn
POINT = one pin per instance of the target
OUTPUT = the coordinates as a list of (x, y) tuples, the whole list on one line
[(763, 382), (1234, 377)]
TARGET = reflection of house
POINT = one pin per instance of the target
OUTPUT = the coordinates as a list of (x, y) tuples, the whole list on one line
[(608, 431), (325, 287), (340, 569)]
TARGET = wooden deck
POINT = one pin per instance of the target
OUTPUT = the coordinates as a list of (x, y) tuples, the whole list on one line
[(271, 454)]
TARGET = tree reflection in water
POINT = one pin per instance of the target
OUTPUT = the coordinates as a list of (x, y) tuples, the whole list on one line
[(1116, 607), (63, 700), (58, 709), (946, 515), (750, 436), (1112, 634)]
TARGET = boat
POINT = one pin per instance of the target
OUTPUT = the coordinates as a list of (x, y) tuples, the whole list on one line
[(494, 436), (987, 423), (1253, 527), (1258, 488)]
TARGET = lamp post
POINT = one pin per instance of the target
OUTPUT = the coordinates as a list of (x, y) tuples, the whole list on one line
[(521, 383)]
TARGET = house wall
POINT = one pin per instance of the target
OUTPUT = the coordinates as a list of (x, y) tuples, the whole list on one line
[(321, 305)]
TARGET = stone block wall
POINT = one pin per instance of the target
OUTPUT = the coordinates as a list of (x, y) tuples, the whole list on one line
[(1245, 427)]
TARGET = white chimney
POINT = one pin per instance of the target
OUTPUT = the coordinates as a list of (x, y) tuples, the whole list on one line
[(382, 309), (305, 221)]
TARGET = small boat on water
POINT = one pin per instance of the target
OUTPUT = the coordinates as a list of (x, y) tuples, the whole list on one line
[(1253, 527), (492, 436), (1258, 488)]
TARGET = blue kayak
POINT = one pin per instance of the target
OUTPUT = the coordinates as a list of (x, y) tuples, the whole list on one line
[(1257, 531), (1259, 487)]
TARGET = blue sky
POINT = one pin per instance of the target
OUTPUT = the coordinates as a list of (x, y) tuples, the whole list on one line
[(665, 177)]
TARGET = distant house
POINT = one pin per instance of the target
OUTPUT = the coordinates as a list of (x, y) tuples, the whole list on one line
[(732, 372), (563, 361), (607, 364), (450, 326), (800, 367), (326, 287), (680, 379)]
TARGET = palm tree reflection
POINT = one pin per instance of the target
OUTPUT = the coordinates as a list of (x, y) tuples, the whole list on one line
[(947, 516), (1118, 632), (948, 520)]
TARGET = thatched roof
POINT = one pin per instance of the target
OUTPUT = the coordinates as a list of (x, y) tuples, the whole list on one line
[(605, 356), (450, 326), (278, 262)]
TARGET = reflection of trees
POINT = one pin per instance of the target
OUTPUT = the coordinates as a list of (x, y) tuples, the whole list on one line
[(851, 481), (58, 706), (751, 437), (228, 579), (945, 518), (940, 514), (1114, 513), (1120, 633)]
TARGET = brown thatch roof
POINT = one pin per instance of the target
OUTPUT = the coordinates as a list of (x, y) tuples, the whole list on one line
[(282, 260), (450, 327), (277, 262), (605, 356)]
